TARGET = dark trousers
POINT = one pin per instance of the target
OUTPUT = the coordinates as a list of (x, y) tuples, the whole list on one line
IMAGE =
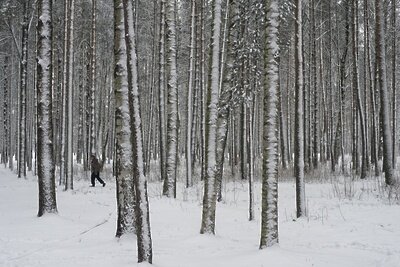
[(94, 176)]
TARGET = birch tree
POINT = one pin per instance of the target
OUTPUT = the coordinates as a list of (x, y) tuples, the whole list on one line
[(209, 198), (123, 147), (269, 201), (356, 87), (23, 86), (298, 120), (189, 140), (93, 81), (225, 100), (161, 92), (46, 178), (383, 89), (142, 217), (169, 188)]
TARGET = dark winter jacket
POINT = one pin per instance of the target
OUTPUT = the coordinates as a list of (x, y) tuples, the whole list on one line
[(96, 167)]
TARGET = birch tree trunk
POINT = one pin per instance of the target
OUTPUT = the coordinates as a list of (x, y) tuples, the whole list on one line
[(23, 94), (69, 184), (189, 140), (46, 178), (269, 201), (93, 82), (64, 94), (6, 128), (161, 91), (169, 189), (299, 110), (209, 198), (394, 91), (225, 100), (356, 87), (123, 135), (381, 62), (142, 215)]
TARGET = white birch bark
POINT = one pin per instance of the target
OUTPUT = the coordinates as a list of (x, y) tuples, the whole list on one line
[(225, 99), (65, 87), (169, 189), (383, 89), (46, 178), (6, 130), (123, 145), (69, 185), (269, 202), (356, 87), (161, 91), (209, 198), (142, 218), (93, 82), (23, 94), (299, 110), (190, 98)]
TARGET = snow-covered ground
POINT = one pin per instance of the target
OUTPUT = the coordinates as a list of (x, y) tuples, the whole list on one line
[(344, 228)]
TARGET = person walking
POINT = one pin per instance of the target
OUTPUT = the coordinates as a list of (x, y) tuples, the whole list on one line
[(95, 165)]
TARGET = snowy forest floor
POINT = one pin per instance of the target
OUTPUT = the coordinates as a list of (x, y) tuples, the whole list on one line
[(349, 224)]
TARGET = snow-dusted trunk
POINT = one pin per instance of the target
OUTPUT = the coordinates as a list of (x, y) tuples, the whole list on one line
[(65, 87), (383, 88), (368, 83), (46, 178), (356, 87), (142, 217), (69, 185), (394, 91), (6, 129), (250, 152), (23, 85), (209, 198), (314, 111), (203, 89), (161, 92), (225, 97), (93, 81), (189, 140), (169, 189), (123, 137), (368, 66), (269, 201), (298, 119), (339, 137), (282, 129)]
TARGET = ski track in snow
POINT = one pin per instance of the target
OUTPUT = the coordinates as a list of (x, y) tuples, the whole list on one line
[(361, 231)]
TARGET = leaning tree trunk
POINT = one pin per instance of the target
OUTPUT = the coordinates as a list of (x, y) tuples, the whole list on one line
[(46, 178), (224, 104), (142, 216), (123, 134)]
